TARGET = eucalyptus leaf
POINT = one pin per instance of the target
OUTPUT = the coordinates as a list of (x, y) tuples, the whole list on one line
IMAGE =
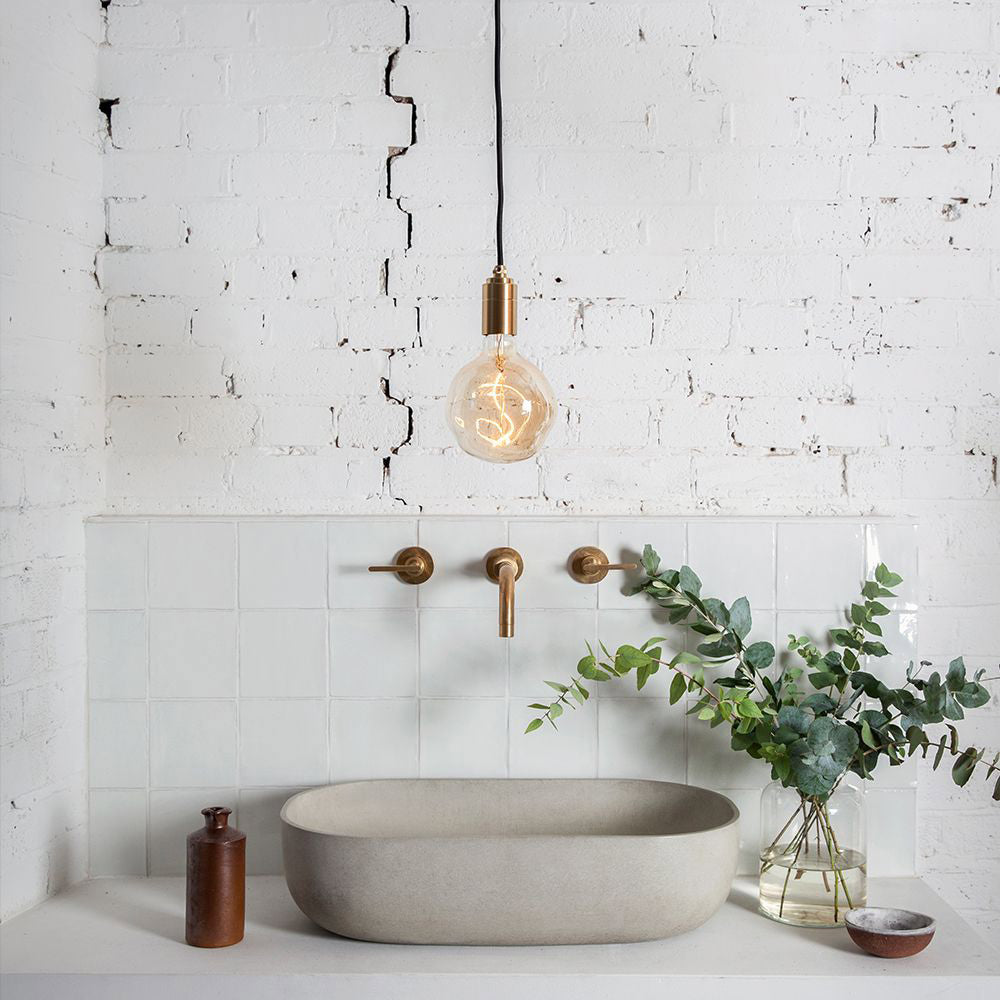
[(794, 718), (819, 703), (533, 725), (677, 688), (740, 619), (689, 581), (887, 578), (650, 560), (760, 655), (822, 756)]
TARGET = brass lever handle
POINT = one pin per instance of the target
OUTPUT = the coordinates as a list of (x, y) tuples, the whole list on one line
[(589, 564), (413, 565)]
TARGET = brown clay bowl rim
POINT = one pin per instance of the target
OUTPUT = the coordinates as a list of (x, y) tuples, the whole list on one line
[(882, 913)]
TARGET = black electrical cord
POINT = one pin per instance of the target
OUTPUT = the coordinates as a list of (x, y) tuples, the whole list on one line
[(499, 140)]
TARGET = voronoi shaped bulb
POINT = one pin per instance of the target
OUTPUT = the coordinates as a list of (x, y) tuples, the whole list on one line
[(500, 406)]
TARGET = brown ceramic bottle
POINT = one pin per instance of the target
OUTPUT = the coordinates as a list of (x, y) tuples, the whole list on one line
[(216, 882)]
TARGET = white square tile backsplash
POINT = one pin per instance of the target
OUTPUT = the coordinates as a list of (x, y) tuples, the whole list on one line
[(235, 662), (192, 654), (192, 564), (282, 564), (283, 654)]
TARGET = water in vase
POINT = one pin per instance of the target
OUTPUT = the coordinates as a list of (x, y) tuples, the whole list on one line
[(802, 885)]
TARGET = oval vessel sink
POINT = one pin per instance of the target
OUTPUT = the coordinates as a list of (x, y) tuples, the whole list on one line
[(498, 862)]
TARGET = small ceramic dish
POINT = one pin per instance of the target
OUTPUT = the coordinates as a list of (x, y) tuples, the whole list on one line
[(889, 933)]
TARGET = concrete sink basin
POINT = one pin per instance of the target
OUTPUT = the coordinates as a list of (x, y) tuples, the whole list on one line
[(500, 862)]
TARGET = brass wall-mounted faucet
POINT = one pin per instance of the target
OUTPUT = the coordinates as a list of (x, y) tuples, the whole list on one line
[(412, 565), (503, 566), (590, 565)]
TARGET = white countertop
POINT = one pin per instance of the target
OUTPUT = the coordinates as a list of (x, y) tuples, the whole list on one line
[(124, 937)]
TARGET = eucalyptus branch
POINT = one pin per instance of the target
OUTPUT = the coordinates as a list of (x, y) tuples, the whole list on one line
[(809, 740)]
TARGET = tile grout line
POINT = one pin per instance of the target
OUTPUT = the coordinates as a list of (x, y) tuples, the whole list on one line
[(149, 711), (238, 784), (328, 650), (418, 663)]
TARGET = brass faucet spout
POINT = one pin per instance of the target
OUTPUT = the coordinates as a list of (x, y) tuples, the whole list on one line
[(508, 574), (503, 567)]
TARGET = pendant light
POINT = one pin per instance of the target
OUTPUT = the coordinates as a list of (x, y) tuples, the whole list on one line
[(500, 406)]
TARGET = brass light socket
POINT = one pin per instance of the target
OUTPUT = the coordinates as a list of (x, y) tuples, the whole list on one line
[(499, 304)]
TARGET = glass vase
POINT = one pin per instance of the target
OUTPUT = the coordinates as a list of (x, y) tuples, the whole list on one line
[(812, 854)]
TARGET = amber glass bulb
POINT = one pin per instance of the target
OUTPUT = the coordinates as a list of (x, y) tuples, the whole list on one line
[(500, 406)]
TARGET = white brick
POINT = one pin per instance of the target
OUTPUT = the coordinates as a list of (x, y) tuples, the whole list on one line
[(228, 323), (223, 127), (948, 276), (609, 324), (326, 74), (921, 75), (682, 419), (907, 27), (921, 173), (146, 74), (375, 123), (978, 123), (763, 479), (762, 278), (619, 425), (161, 272), (816, 374), (848, 121), (736, 70), (683, 22), (767, 325), (326, 374), (341, 176), (378, 25), (931, 225), (160, 372), (597, 479), (642, 278), (286, 426), (144, 425), (269, 481), (222, 224), (225, 424), (372, 424), (140, 127), (302, 125), (216, 25), (685, 325), (301, 325), (915, 424), (379, 323), (777, 176), (293, 25), (456, 476), (135, 224), (165, 177), (903, 122), (925, 375), (762, 23), (148, 25)]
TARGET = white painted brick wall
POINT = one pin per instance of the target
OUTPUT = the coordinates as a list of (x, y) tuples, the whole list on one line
[(756, 240), (52, 434)]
